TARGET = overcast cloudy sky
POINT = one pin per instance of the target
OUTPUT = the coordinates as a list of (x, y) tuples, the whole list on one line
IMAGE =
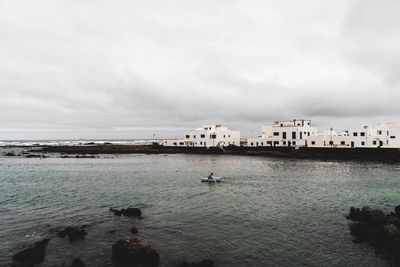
[(128, 69)]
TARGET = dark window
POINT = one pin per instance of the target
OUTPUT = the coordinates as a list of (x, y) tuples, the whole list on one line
[(313, 142), (294, 143), (174, 143), (257, 144), (276, 142), (379, 132), (224, 136), (331, 143), (284, 142), (187, 136), (363, 143), (276, 133), (269, 142), (194, 136), (181, 143), (293, 135), (251, 143), (206, 128), (362, 134), (342, 143), (355, 134), (202, 136), (301, 135), (284, 135), (374, 142), (201, 143), (213, 136), (393, 137), (261, 143), (308, 133), (229, 136)]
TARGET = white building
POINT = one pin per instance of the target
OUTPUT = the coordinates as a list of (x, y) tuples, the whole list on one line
[(284, 133), (207, 136), (386, 135), (300, 133)]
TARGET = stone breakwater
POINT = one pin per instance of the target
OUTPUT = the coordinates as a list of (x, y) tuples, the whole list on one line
[(127, 252), (381, 230)]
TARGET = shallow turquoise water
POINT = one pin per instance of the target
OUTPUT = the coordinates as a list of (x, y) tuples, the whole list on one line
[(267, 212)]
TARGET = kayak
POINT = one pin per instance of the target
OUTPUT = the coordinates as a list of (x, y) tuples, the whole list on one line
[(214, 179)]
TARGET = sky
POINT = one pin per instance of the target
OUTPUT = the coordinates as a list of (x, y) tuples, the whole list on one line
[(137, 69)]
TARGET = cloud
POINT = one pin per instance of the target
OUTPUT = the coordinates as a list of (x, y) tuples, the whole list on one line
[(179, 64)]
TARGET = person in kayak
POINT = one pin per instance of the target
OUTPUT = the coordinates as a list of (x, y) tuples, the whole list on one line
[(210, 177)]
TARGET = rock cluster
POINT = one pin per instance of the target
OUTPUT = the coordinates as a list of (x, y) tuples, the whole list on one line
[(204, 263), (32, 255), (134, 252), (380, 230), (129, 212), (74, 233)]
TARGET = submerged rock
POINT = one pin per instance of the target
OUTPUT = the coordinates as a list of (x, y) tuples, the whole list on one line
[(204, 263), (134, 230), (74, 233), (134, 252), (129, 212), (77, 263), (32, 255), (380, 230)]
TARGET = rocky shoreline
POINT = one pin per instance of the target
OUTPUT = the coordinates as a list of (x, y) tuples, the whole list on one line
[(126, 252), (380, 230), (93, 150)]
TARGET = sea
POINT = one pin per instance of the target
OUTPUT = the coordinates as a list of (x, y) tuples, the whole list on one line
[(265, 212)]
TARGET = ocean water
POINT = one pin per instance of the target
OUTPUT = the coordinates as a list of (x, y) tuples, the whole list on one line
[(266, 212)]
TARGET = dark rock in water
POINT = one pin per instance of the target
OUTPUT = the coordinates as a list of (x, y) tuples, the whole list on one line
[(30, 256), (90, 143), (10, 154), (380, 230), (77, 263), (129, 212), (85, 156), (35, 156), (204, 263), (134, 230), (134, 252), (65, 156), (107, 143), (113, 231), (73, 233)]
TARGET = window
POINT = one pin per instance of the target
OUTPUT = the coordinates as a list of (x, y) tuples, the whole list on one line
[(251, 143), (276, 133), (363, 143), (379, 132), (165, 142), (294, 143), (355, 134), (229, 136), (201, 143), (213, 136), (342, 143), (293, 135), (308, 133), (392, 137), (174, 143), (269, 142), (181, 143), (284, 143), (284, 135), (374, 142), (301, 135), (313, 142), (224, 136), (187, 136), (194, 136), (202, 136), (276, 142), (362, 134), (257, 144), (331, 143), (261, 143), (206, 128)]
